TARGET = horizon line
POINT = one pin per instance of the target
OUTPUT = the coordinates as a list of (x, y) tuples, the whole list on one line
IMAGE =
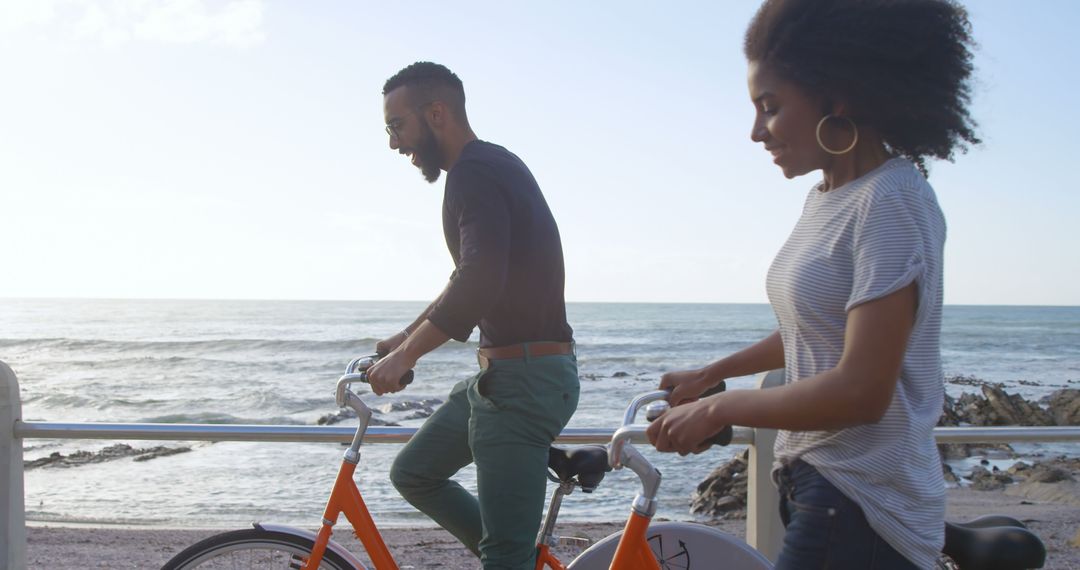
[(568, 302)]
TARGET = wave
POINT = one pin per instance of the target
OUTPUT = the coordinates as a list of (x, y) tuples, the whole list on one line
[(58, 400), (64, 519), (218, 418)]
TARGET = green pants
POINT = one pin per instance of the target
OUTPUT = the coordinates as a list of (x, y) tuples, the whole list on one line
[(503, 419)]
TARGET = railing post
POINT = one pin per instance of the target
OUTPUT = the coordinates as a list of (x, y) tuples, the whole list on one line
[(764, 529), (12, 511)]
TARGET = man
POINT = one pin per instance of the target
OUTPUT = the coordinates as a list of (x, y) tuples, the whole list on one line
[(508, 280)]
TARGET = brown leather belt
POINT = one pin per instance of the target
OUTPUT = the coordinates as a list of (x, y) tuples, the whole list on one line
[(484, 356)]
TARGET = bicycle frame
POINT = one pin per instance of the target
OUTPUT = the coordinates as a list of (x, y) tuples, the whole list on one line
[(633, 550), (544, 557), (345, 497)]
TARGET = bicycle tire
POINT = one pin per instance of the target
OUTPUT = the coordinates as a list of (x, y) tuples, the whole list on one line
[(680, 546), (252, 548)]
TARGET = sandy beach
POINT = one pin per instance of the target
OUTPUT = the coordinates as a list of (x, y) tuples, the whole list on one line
[(75, 548)]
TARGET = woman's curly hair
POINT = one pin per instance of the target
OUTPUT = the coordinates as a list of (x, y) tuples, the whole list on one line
[(902, 66)]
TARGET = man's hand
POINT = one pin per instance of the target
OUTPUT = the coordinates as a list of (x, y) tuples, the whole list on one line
[(385, 376), (686, 385), (687, 428), (390, 344)]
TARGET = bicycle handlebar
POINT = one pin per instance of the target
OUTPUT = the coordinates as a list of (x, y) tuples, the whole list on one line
[(659, 405), (359, 367), (356, 371), (722, 437)]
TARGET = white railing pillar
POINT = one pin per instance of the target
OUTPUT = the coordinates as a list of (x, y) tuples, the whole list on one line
[(764, 529), (12, 510)]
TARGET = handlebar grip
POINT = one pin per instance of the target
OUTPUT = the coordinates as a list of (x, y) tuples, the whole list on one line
[(714, 390), (722, 438), (725, 435), (405, 380)]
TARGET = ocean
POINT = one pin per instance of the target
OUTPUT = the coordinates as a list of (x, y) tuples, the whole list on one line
[(276, 362)]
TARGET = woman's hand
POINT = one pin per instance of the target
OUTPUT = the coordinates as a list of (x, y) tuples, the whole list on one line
[(686, 385), (688, 428)]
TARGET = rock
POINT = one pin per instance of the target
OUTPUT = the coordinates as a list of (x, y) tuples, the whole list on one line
[(331, 419), (993, 408), (1064, 406), (160, 451), (1041, 473), (1066, 492), (949, 474), (984, 480), (54, 457), (408, 405), (620, 374), (349, 414), (113, 452), (1076, 540), (1019, 470), (420, 408), (950, 415), (963, 450), (965, 380), (1009, 409), (723, 493), (1054, 480)]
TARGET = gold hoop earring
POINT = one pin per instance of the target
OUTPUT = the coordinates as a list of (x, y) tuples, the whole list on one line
[(854, 128)]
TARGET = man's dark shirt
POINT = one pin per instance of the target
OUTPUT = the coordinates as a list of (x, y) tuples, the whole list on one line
[(509, 273)]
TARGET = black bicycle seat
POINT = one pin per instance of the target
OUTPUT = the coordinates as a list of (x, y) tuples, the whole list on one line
[(588, 463), (993, 542)]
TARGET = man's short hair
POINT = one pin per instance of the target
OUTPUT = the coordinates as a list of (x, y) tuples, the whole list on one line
[(429, 82)]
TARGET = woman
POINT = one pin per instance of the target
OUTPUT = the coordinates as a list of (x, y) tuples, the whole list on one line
[(864, 91)]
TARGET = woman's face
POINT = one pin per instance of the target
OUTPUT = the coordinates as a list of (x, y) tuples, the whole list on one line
[(785, 121)]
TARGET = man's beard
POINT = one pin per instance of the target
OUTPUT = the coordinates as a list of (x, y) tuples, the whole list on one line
[(428, 156)]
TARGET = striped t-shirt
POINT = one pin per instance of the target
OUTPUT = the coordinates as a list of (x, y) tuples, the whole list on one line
[(853, 244)]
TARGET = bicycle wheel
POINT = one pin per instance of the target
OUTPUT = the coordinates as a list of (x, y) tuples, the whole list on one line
[(252, 548), (680, 546)]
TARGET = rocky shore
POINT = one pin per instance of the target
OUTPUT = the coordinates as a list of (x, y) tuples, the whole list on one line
[(723, 493)]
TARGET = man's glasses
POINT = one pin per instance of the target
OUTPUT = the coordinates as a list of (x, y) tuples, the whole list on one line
[(394, 126)]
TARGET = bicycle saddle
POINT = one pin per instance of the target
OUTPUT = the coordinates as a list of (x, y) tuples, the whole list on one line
[(588, 463), (993, 542)]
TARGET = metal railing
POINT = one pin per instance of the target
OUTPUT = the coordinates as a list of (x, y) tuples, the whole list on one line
[(764, 530)]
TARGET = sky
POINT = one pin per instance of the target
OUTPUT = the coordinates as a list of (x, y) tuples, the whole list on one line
[(234, 149)]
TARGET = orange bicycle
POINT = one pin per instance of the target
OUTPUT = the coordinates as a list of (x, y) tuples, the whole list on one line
[(668, 545), (641, 545)]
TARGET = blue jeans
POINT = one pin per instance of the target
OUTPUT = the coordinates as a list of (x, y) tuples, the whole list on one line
[(825, 529)]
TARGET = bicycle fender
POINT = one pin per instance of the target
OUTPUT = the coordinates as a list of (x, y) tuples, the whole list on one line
[(680, 545), (331, 546)]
